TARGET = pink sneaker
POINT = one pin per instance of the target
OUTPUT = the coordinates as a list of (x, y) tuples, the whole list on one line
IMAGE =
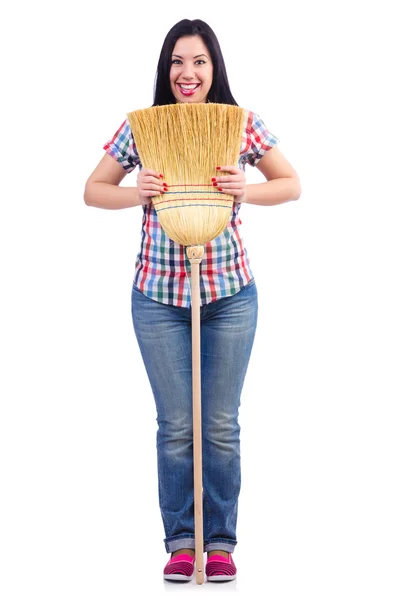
[(179, 568), (219, 568)]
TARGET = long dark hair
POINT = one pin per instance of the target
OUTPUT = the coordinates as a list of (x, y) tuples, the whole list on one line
[(220, 89)]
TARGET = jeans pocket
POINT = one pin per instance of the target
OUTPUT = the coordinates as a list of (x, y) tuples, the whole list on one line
[(249, 284), (135, 287)]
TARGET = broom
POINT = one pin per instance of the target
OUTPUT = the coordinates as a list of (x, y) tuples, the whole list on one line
[(186, 142)]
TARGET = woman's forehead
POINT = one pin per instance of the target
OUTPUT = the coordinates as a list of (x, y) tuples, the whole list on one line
[(190, 47)]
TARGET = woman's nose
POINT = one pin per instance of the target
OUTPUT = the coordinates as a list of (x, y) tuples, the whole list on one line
[(188, 72)]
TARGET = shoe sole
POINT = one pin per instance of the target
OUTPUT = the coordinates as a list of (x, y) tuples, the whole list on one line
[(221, 578), (178, 577)]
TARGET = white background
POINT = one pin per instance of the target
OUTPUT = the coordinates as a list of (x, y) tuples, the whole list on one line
[(79, 510)]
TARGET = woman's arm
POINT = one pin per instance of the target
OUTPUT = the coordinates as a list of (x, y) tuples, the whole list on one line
[(277, 191), (102, 187), (282, 183)]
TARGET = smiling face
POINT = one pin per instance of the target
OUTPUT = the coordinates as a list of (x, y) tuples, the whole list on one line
[(191, 70)]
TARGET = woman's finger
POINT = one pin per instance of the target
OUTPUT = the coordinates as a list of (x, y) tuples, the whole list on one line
[(231, 184), (230, 169), (149, 183), (149, 180), (145, 172), (233, 179), (236, 177), (234, 191)]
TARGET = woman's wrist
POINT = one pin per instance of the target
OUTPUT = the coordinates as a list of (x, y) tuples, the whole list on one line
[(272, 192), (111, 197)]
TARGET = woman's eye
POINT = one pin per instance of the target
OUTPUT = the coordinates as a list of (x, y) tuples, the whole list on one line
[(176, 60)]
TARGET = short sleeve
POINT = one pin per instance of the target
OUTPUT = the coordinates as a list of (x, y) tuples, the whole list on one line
[(259, 139), (122, 147)]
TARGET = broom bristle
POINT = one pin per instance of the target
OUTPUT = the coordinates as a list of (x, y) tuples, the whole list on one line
[(186, 142)]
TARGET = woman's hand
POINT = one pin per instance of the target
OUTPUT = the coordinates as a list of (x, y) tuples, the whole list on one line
[(234, 184), (149, 183)]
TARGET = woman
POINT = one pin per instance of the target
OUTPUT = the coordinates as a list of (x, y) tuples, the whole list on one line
[(191, 69)]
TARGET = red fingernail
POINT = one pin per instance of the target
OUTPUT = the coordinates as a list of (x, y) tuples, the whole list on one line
[(214, 184), (213, 179), (220, 189), (218, 168), (161, 175)]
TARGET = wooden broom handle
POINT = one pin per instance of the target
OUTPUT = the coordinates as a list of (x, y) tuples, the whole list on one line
[(195, 255)]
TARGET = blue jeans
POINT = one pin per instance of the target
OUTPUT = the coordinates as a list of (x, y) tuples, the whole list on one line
[(163, 333)]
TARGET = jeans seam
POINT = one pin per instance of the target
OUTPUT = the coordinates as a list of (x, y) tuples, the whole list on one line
[(166, 528), (205, 500)]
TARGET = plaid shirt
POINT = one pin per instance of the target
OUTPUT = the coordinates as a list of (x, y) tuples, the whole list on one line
[(162, 269)]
